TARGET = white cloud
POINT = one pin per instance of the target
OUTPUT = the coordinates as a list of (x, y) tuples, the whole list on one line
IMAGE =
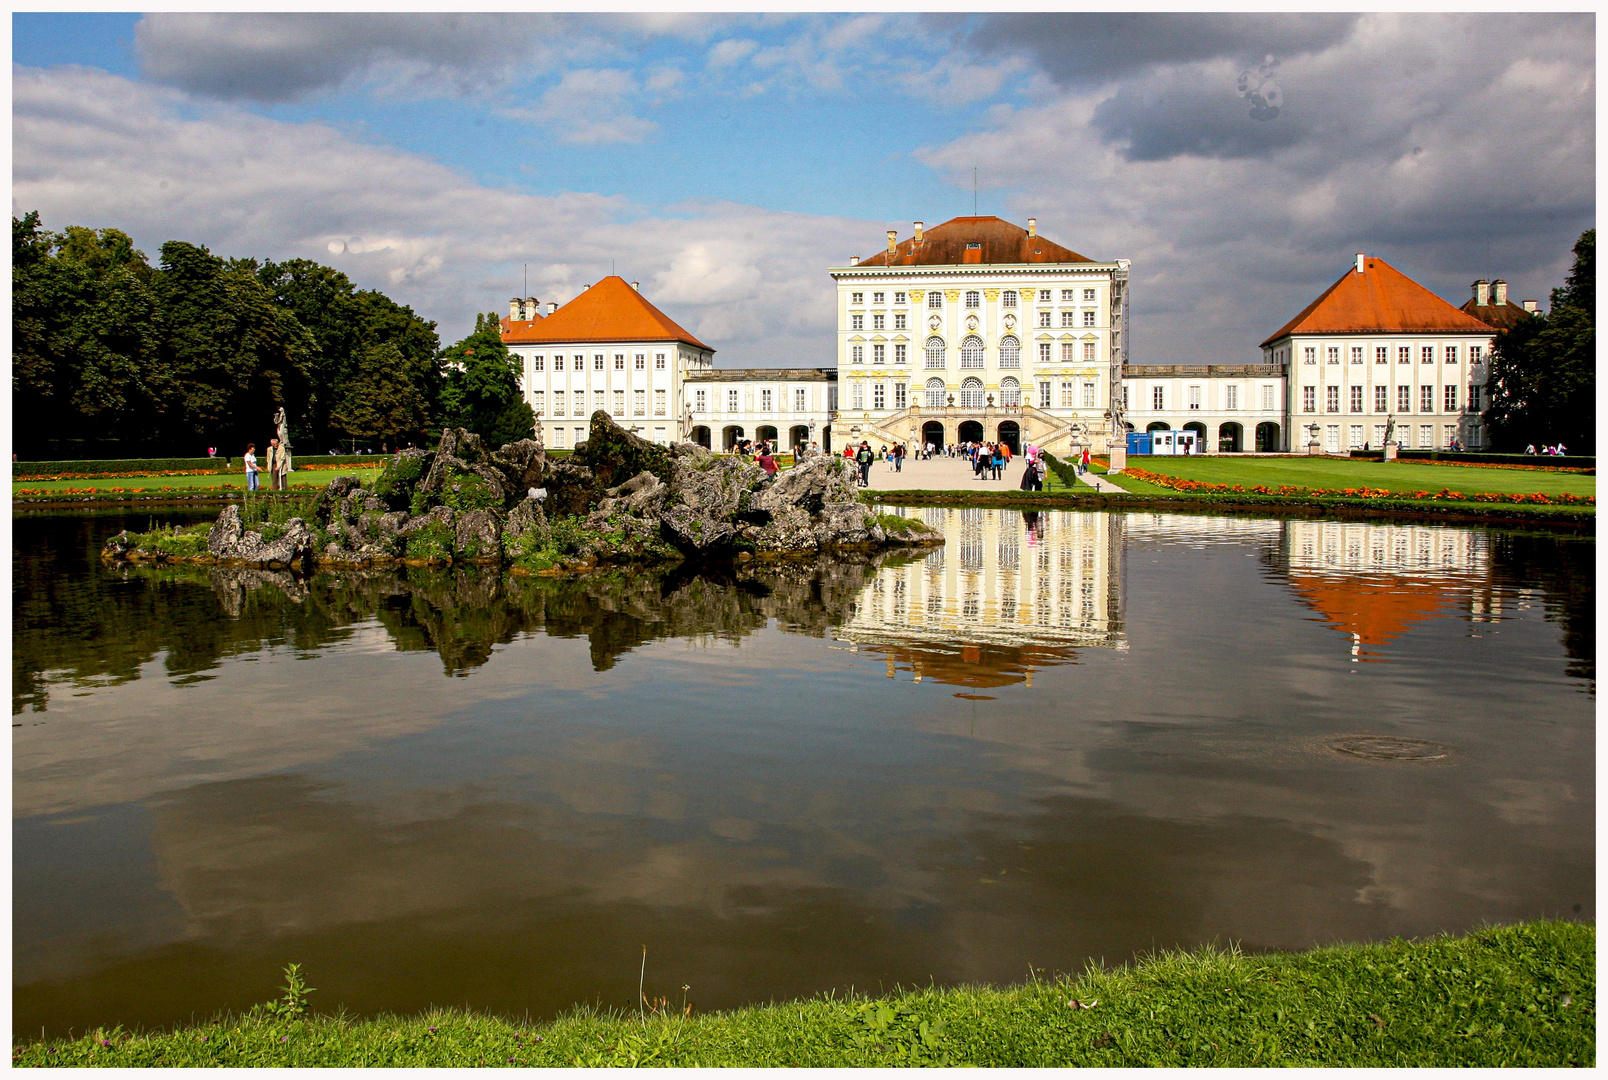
[(590, 106), (98, 150), (731, 51)]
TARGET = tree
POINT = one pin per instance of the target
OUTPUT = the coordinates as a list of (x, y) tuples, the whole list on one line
[(382, 400), (482, 386), (1543, 376)]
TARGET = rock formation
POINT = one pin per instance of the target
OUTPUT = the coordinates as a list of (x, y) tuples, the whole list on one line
[(619, 499)]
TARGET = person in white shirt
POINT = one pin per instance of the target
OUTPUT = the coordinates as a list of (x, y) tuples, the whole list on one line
[(251, 466)]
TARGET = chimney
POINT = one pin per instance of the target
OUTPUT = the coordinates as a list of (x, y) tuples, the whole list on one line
[(854, 260), (1482, 293), (636, 286), (918, 232), (552, 306), (893, 241), (533, 308), (585, 287), (1530, 306), (513, 310), (1499, 287), (1032, 226), (1361, 260)]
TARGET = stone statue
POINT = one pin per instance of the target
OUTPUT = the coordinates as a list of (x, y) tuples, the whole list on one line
[(279, 473), (1390, 428)]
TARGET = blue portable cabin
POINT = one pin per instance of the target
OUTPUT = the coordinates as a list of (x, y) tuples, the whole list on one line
[(1138, 442)]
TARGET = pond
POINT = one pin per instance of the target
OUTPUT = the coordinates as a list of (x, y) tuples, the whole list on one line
[(1060, 738)]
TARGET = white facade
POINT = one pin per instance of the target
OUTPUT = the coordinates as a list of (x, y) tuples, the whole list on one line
[(638, 383), (1235, 408), (786, 406)]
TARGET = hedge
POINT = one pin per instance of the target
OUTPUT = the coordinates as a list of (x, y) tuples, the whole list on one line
[(1562, 461), (87, 469)]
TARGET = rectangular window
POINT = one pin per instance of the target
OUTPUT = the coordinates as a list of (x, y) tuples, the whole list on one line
[(799, 399), (1067, 350), (974, 298), (879, 396), (1044, 393), (879, 354), (1379, 434), (1475, 353), (899, 321), (765, 400), (1158, 398), (935, 300), (1066, 393), (876, 297), (597, 362), (1451, 433), (658, 361), (1404, 399), (1044, 296), (1267, 398), (1088, 350), (1404, 355), (1230, 397), (1309, 355), (580, 402), (641, 361), (558, 363), (1194, 397), (1088, 318), (899, 354), (1334, 354), (1355, 442), (558, 403), (857, 394), (1068, 295), (857, 353), (1426, 436), (1451, 397), (1088, 296), (1426, 399), (1309, 399), (1124, 397), (619, 403), (700, 401), (1331, 398), (879, 321), (558, 433), (857, 298), (658, 403), (899, 397), (856, 322), (1356, 399), (1044, 318), (639, 403), (1088, 395), (1427, 354), (1068, 318), (1381, 398), (899, 298), (1008, 298), (536, 363), (1451, 354), (1044, 352), (1382, 355), (537, 398), (731, 400), (1356, 354)]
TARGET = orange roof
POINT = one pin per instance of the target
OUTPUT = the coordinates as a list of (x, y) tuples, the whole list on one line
[(1380, 300), (1502, 316), (609, 311), (996, 240)]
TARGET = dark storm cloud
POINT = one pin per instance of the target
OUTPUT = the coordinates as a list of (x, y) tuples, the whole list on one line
[(1156, 122), (1081, 48)]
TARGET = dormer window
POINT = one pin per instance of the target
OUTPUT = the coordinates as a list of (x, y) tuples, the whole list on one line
[(974, 247)]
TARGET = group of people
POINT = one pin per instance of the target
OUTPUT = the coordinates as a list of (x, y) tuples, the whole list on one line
[(278, 467), (1553, 450)]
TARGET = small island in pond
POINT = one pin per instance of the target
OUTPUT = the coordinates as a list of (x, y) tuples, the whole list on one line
[(618, 499)]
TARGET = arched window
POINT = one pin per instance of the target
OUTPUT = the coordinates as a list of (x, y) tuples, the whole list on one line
[(935, 353), (1010, 391), (1010, 352), (971, 394), (971, 353), (935, 393)]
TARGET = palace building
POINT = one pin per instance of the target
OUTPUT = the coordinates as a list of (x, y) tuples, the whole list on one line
[(979, 329)]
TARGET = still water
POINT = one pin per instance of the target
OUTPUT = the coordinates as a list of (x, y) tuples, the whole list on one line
[(1062, 737)]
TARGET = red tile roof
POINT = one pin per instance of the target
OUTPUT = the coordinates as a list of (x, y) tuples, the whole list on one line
[(609, 311), (1380, 300), (1501, 316), (997, 240)]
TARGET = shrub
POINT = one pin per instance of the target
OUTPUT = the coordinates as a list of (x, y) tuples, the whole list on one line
[(432, 543)]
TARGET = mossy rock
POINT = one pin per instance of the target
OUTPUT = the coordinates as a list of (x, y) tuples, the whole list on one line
[(432, 544), (615, 455)]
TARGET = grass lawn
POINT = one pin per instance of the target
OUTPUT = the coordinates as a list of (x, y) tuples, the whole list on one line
[(1321, 472), (237, 481), (1517, 995)]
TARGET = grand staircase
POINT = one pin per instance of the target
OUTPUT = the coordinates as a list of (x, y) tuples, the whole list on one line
[(1038, 427)]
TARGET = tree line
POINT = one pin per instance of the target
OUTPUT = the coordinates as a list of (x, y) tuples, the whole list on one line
[(1543, 370), (114, 357)]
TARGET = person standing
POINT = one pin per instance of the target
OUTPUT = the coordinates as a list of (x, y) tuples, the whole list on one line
[(997, 460), (251, 466), (272, 464), (1083, 462), (865, 458), (898, 457), (766, 462)]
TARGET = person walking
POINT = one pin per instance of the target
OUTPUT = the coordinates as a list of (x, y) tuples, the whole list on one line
[(1083, 462), (766, 461), (997, 459), (865, 458), (898, 457), (272, 464), (251, 466)]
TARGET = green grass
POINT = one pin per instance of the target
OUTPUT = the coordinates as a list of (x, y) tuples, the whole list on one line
[(1517, 995), (236, 481), (1320, 472)]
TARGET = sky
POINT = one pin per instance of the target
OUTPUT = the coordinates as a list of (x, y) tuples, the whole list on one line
[(725, 161)]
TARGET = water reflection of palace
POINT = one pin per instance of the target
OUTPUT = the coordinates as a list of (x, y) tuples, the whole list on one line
[(1374, 582), (1008, 591)]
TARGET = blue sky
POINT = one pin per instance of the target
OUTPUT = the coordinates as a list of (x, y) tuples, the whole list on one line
[(726, 160)]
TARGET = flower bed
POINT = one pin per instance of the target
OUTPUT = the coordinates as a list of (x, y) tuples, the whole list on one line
[(1497, 465), (1176, 483)]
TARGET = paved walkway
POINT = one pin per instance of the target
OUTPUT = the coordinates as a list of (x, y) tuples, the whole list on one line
[(955, 474)]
